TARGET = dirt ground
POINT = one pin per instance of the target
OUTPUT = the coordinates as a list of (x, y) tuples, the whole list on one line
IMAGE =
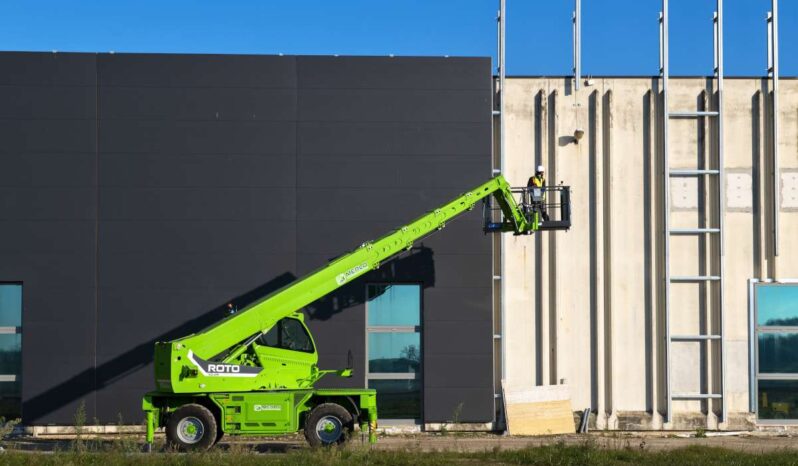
[(645, 441), (477, 442)]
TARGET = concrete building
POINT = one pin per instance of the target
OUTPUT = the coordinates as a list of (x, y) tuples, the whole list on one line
[(586, 308)]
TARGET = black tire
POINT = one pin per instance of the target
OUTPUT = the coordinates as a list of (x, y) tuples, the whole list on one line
[(328, 416), (191, 428), (219, 435)]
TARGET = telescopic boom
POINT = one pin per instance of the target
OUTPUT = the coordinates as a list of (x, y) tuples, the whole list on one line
[(263, 314)]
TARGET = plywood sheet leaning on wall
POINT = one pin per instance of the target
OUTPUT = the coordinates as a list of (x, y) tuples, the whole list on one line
[(543, 410)]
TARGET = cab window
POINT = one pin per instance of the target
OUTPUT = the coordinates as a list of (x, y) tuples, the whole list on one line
[(288, 334)]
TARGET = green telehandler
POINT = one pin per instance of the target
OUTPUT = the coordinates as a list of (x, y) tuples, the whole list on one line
[(253, 373)]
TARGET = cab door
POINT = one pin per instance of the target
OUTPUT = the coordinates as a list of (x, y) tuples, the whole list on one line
[(287, 354)]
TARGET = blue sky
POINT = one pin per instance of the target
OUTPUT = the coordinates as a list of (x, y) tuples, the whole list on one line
[(620, 37)]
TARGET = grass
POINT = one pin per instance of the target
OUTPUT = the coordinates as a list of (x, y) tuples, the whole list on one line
[(558, 454)]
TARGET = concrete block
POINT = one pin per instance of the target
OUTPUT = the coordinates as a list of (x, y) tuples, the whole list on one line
[(690, 420), (684, 193), (737, 363), (739, 191), (459, 426), (741, 421), (789, 189), (634, 420), (687, 366)]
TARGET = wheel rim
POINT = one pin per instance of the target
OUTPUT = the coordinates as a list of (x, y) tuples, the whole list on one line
[(190, 430), (329, 429)]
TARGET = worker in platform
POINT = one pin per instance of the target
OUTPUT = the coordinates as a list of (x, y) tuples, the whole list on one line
[(538, 180)]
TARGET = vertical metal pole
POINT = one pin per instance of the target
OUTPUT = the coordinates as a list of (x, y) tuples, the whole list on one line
[(497, 389), (577, 34), (751, 348), (502, 286), (498, 333), (718, 26), (663, 46), (502, 75), (718, 34), (768, 25), (498, 41), (773, 72)]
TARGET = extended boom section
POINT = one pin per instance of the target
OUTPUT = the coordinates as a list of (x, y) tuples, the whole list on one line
[(254, 371), (262, 315)]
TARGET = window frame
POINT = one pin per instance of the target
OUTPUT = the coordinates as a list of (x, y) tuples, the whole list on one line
[(15, 330), (418, 375), (754, 330)]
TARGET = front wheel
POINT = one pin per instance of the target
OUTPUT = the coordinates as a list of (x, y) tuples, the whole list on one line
[(328, 424), (191, 427)]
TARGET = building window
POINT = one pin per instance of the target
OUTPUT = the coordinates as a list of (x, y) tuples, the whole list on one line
[(10, 350), (777, 351), (393, 346)]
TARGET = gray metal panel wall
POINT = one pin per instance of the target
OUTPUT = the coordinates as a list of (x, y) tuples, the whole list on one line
[(48, 212), (381, 141), (209, 179), (196, 169)]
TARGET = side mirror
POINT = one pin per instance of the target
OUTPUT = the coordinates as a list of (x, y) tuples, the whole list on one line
[(350, 360)]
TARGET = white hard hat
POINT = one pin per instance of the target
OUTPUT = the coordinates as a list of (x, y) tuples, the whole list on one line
[(540, 168)]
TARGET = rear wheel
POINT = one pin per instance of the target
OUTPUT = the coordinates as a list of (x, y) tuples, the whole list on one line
[(191, 427), (328, 424)]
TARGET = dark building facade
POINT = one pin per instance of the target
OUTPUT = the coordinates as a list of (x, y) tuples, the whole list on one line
[(140, 194)]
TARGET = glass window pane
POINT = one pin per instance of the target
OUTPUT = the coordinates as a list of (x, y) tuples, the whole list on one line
[(10, 305), (10, 354), (294, 336), (10, 350), (398, 399), (10, 364), (10, 400), (397, 305), (778, 352), (271, 338), (778, 399), (777, 305), (394, 352)]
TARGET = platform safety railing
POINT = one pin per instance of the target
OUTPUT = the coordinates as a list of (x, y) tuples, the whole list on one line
[(550, 205)]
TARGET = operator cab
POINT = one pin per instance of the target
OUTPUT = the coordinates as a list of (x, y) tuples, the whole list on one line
[(287, 354), (288, 334)]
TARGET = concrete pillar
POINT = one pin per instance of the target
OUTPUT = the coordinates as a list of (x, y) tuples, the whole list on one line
[(597, 249), (546, 350), (652, 187)]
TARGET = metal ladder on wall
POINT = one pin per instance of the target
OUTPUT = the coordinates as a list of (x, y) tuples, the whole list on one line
[(711, 285)]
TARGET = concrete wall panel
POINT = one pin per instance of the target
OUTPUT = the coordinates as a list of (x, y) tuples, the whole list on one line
[(789, 190), (596, 291)]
